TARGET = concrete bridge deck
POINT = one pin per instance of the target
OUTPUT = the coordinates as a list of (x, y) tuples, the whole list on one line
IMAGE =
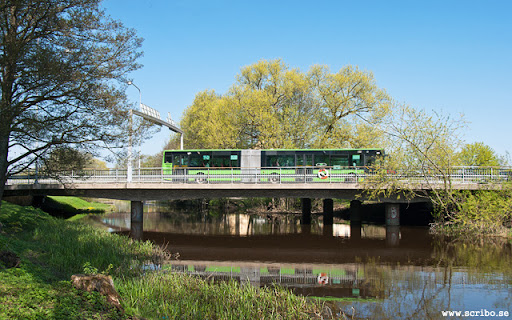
[(140, 191)]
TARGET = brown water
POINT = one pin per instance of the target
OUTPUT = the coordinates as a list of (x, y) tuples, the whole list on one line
[(374, 271)]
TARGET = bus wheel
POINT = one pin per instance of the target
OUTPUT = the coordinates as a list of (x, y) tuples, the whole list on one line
[(201, 178), (352, 177), (274, 178)]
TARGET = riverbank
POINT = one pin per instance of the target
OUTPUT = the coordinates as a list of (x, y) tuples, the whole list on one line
[(67, 207), (50, 250)]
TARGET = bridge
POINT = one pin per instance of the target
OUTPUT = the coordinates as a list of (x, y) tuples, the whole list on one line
[(304, 183)]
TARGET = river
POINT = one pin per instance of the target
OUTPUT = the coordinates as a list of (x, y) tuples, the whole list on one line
[(368, 272)]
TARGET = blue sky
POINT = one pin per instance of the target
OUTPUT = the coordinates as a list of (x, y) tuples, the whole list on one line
[(449, 56)]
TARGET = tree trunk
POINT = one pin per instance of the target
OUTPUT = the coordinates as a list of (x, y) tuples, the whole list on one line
[(4, 148)]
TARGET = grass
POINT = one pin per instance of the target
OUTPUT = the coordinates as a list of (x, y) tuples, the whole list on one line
[(180, 296), (51, 250), (40, 287), (23, 295), (69, 206)]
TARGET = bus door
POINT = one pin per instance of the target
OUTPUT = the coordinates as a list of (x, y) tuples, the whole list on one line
[(309, 160), (309, 163), (179, 163), (206, 161)]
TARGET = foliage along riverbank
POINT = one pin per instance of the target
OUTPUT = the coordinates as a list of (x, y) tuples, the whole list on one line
[(51, 250), (469, 213)]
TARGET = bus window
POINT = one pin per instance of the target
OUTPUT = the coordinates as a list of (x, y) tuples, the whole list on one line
[(287, 161), (206, 160), (309, 159), (219, 161), (168, 157), (299, 160), (321, 159), (356, 160), (234, 160), (281, 161), (272, 161), (177, 160), (195, 160), (341, 161)]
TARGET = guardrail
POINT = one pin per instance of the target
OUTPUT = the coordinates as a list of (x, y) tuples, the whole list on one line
[(460, 175)]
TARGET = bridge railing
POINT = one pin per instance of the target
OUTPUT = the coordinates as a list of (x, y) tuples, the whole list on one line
[(270, 175)]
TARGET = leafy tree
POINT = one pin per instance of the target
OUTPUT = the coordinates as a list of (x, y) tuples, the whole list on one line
[(419, 145), (478, 154), (273, 106), (209, 122), (347, 100), (65, 158), (151, 161), (63, 65)]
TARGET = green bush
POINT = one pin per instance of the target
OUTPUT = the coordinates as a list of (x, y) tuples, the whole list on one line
[(477, 212)]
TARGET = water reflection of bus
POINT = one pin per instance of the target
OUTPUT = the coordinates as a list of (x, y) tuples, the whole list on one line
[(348, 280), (290, 165)]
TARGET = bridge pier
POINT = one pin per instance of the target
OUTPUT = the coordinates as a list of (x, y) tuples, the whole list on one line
[(306, 211), (355, 212), (328, 230), (328, 212), (136, 230), (392, 236), (355, 232), (392, 214), (136, 221)]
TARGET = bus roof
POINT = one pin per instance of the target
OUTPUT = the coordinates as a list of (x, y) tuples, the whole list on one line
[(331, 149)]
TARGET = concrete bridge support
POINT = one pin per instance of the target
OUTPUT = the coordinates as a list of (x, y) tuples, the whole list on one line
[(392, 214), (328, 217), (306, 211), (392, 224), (328, 212), (136, 222), (392, 236), (355, 232), (355, 212)]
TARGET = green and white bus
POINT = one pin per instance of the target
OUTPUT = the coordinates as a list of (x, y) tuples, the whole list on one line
[(270, 165)]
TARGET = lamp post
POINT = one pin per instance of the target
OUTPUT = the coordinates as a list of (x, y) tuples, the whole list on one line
[(129, 173), (130, 83)]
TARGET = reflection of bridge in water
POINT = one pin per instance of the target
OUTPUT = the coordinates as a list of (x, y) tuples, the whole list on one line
[(352, 280), (309, 280)]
